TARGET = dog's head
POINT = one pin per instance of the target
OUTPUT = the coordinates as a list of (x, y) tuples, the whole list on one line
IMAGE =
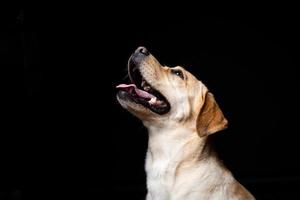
[(160, 95)]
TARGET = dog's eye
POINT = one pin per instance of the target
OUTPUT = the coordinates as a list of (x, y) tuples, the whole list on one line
[(177, 72)]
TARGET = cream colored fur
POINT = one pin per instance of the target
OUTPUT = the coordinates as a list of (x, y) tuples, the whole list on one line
[(180, 163)]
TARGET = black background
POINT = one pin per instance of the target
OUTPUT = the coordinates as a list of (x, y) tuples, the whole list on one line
[(74, 138)]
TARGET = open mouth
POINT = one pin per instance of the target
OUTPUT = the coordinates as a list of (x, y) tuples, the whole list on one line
[(141, 92)]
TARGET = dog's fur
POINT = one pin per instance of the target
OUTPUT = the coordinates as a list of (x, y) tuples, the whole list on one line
[(180, 163)]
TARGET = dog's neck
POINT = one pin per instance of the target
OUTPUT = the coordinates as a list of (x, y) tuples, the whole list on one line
[(174, 155), (170, 140), (179, 162), (177, 145)]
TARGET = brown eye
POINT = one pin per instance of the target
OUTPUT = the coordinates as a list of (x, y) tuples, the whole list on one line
[(177, 72)]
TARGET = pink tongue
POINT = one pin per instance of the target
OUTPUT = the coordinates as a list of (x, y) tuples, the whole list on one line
[(140, 93)]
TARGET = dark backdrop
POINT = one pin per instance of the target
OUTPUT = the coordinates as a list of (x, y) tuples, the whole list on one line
[(74, 138)]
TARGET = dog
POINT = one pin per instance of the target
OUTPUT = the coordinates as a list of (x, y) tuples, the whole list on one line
[(180, 114)]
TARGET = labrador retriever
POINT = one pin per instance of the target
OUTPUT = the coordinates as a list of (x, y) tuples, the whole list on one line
[(180, 114)]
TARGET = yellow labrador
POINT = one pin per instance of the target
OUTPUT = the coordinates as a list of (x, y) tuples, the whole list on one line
[(180, 114)]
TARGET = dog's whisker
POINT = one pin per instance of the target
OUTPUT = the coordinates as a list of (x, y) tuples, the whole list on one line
[(125, 77)]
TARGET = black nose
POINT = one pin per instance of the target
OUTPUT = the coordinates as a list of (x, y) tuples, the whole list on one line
[(142, 50)]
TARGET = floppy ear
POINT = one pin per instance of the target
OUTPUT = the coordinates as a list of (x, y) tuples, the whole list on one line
[(210, 118)]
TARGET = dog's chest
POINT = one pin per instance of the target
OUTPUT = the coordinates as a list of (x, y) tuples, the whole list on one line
[(165, 180), (160, 178), (163, 158)]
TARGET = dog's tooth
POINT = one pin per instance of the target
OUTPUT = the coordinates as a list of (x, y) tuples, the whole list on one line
[(152, 101), (147, 88), (161, 103)]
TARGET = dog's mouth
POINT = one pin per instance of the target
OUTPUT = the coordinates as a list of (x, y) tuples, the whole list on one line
[(141, 92)]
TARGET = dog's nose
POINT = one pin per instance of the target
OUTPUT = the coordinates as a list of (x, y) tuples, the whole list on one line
[(142, 50)]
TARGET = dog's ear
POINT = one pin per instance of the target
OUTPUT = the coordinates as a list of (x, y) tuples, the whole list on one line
[(210, 118)]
